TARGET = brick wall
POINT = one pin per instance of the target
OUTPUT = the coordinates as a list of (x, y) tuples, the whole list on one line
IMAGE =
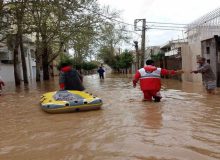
[(170, 63)]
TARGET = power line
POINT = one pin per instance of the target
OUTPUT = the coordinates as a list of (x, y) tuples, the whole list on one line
[(155, 27), (110, 18), (113, 20), (166, 23), (166, 26), (165, 29), (128, 31)]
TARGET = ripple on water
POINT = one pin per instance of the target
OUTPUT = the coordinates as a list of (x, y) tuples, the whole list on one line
[(184, 125)]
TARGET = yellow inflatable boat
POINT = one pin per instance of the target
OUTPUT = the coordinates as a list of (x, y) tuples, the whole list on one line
[(69, 101)]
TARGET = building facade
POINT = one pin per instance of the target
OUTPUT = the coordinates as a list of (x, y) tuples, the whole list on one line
[(198, 31), (174, 53), (6, 61), (211, 51)]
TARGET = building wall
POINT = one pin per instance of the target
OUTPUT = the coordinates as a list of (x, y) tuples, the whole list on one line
[(31, 64), (195, 36), (218, 61), (174, 63), (186, 63), (179, 59), (7, 72), (210, 50), (212, 53), (194, 51), (151, 50)]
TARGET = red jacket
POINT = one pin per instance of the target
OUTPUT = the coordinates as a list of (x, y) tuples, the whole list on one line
[(149, 77), (64, 69)]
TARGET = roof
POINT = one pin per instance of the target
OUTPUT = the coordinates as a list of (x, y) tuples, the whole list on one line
[(169, 43)]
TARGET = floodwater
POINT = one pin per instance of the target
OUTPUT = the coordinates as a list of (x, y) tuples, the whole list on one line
[(185, 125)]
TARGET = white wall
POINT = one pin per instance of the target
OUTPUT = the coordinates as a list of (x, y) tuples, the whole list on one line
[(195, 36), (195, 50), (186, 63), (7, 72)]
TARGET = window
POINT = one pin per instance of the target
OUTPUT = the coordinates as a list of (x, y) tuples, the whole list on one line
[(179, 50), (208, 61), (207, 50), (218, 56)]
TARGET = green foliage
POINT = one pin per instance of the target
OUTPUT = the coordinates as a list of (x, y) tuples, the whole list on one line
[(89, 65), (4, 23), (125, 60), (107, 56), (67, 60), (75, 24), (82, 25), (122, 61)]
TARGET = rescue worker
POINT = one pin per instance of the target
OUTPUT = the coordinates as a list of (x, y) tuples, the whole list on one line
[(70, 79), (150, 80)]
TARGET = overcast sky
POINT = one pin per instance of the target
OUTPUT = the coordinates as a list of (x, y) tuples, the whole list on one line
[(168, 11)]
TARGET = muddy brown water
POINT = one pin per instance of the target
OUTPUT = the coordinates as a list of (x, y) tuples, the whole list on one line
[(185, 125)]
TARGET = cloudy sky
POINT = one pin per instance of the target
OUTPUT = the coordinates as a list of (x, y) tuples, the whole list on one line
[(168, 11)]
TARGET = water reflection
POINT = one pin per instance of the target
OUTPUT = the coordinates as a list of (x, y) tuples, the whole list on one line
[(152, 116), (185, 125)]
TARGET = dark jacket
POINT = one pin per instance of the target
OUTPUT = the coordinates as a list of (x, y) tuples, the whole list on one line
[(70, 79), (101, 71)]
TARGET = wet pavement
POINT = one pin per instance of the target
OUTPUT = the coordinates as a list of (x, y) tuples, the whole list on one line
[(185, 125)]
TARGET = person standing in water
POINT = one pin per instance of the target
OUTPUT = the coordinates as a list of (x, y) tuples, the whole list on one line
[(150, 80), (208, 76), (101, 72)]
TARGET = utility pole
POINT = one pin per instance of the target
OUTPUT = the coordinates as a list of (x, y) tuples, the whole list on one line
[(143, 42), (143, 29), (137, 55)]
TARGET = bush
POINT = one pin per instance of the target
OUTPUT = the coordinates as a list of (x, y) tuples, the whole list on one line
[(67, 60), (89, 65)]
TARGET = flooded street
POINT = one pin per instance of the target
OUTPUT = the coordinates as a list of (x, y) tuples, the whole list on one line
[(185, 125)]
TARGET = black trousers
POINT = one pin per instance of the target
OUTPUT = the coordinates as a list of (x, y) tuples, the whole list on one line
[(101, 76)]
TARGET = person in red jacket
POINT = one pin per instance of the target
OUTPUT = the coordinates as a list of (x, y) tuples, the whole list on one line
[(70, 78), (150, 80)]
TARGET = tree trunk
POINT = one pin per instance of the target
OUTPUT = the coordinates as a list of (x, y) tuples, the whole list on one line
[(16, 65), (45, 58), (24, 66), (37, 67), (38, 57), (45, 64), (37, 71)]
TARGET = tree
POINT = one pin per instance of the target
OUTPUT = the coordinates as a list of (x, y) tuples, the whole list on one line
[(4, 21), (125, 61), (111, 36), (67, 60), (17, 13), (107, 56), (61, 23)]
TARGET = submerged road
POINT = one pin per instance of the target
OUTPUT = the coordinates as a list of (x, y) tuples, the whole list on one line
[(185, 125)]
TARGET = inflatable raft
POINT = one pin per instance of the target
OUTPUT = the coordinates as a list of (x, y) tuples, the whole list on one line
[(69, 101)]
